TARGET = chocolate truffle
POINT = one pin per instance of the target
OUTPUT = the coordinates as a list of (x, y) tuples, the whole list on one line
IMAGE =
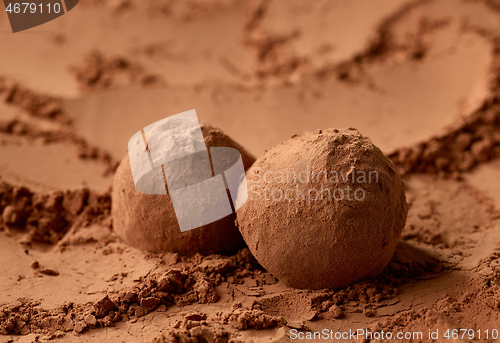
[(324, 209), (149, 222)]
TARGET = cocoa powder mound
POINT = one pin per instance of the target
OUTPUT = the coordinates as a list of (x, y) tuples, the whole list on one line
[(98, 72), (37, 104), (50, 108), (193, 280), (194, 283), (474, 141), (480, 297), (407, 265), (65, 134), (194, 331), (195, 327), (149, 222), (47, 217), (28, 317), (330, 241), (243, 319)]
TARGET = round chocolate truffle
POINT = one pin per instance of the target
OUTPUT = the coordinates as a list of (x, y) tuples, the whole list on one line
[(149, 222), (324, 209)]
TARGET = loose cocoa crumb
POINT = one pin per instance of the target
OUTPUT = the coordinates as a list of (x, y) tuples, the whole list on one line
[(48, 271)]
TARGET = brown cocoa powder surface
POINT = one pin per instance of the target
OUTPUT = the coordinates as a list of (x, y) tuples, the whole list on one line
[(195, 281), (443, 275)]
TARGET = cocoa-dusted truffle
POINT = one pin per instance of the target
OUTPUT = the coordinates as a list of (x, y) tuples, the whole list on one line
[(325, 209), (149, 222)]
